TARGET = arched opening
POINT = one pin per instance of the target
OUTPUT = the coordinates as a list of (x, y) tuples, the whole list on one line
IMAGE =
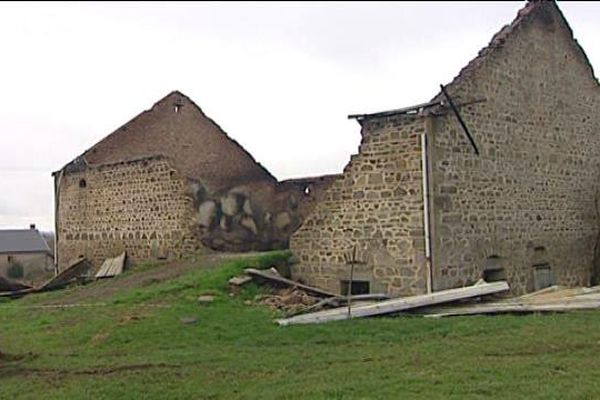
[(82, 183)]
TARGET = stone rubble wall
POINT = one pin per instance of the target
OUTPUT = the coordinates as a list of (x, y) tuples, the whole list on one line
[(377, 205), (142, 206), (254, 216), (528, 199), (147, 208)]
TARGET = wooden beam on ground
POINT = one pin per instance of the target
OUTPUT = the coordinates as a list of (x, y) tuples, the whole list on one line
[(7, 285), (400, 304), (75, 270), (286, 282), (544, 291), (503, 308), (554, 293), (338, 301)]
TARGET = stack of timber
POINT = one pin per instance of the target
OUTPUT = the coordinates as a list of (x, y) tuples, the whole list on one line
[(275, 279), (551, 299), (397, 305), (291, 297), (316, 304)]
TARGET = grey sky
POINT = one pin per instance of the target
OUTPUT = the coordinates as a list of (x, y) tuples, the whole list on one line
[(279, 78)]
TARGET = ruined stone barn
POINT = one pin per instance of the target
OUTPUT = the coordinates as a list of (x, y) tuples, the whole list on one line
[(428, 210), (169, 182)]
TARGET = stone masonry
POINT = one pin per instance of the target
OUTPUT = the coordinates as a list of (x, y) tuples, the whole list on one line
[(138, 205), (522, 210), (527, 201), (377, 205), (171, 181)]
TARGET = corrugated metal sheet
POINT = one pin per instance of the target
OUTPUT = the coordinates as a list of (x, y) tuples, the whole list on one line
[(111, 267)]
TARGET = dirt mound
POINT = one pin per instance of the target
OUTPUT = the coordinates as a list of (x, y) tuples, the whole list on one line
[(103, 289)]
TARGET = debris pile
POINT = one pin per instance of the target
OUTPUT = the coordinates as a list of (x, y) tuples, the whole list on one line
[(307, 305), (77, 271), (293, 298), (289, 300), (397, 305)]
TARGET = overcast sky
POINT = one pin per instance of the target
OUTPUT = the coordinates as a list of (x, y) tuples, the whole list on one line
[(279, 78)]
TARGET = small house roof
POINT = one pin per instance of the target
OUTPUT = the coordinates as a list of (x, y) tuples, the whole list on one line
[(22, 241)]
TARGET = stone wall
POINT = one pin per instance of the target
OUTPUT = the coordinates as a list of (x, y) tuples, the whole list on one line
[(528, 199), (254, 216), (523, 210), (146, 207), (376, 205), (142, 206)]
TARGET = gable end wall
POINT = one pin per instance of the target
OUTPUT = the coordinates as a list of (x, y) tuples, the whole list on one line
[(529, 197)]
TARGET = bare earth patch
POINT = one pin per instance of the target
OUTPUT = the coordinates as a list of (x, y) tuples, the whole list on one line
[(141, 277)]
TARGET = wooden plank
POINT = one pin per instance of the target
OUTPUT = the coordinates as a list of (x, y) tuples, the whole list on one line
[(18, 293), (550, 289), (495, 308), (112, 267), (554, 297), (400, 304), (74, 270), (7, 285), (558, 294), (338, 301), (286, 282), (369, 296)]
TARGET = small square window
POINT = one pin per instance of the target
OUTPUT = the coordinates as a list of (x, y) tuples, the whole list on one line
[(358, 287)]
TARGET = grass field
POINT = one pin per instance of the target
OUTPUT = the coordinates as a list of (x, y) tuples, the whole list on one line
[(125, 339)]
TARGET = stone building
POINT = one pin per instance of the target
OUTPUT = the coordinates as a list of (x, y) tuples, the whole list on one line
[(25, 255), (429, 210), (171, 181)]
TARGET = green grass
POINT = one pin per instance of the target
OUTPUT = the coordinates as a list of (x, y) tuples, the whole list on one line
[(129, 349)]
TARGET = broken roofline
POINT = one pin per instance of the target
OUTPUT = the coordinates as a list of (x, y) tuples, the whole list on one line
[(496, 42), (413, 109)]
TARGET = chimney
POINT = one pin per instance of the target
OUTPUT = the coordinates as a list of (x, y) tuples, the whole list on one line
[(32, 226)]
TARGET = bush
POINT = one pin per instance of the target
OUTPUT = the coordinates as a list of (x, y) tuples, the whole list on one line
[(15, 271)]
